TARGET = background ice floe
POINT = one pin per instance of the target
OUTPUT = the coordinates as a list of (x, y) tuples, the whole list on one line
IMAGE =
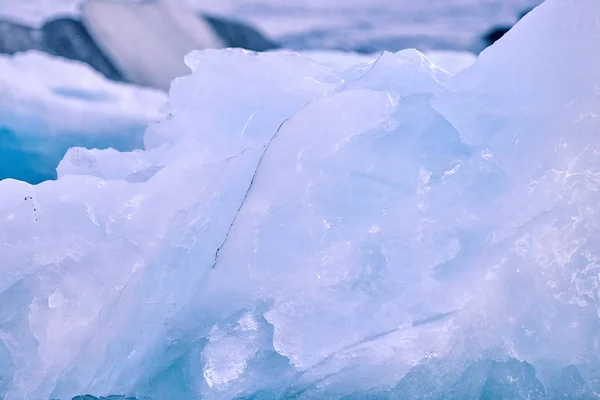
[(49, 104), (300, 227), (451, 61), (145, 42), (358, 25)]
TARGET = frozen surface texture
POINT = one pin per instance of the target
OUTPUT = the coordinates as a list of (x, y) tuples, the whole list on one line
[(451, 61), (49, 104), (298, 229)]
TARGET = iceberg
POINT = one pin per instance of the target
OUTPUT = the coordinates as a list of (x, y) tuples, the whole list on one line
[(304, 229)]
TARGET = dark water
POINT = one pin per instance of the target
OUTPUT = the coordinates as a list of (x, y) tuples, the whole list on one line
[(33, 163)]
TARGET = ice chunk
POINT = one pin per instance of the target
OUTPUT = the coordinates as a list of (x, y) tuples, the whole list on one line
[(243, 179), (297, 230), (49, 104)]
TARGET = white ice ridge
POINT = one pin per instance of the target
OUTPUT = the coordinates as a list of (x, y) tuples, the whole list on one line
[(299, 230)]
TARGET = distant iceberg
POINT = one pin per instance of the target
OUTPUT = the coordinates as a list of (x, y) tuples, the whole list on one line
[(147, 40), (304, 229), (140, 42)]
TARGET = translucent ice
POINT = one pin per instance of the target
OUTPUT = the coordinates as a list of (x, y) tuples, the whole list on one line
[(297, 229)]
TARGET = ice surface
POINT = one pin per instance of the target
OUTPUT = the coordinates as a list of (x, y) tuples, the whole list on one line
[(141, 43), (307, 229), (451, 61), (48, 104)]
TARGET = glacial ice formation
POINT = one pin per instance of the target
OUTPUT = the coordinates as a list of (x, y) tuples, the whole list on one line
[(49, 104), (294, 230)]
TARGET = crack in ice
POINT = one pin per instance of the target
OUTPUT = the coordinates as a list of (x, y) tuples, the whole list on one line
[(266, 148)]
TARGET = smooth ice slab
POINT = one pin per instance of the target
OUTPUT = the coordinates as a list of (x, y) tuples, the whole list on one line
[(315, 229)]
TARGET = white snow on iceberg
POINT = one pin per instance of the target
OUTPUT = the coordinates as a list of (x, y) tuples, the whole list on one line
[(296, 229)]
